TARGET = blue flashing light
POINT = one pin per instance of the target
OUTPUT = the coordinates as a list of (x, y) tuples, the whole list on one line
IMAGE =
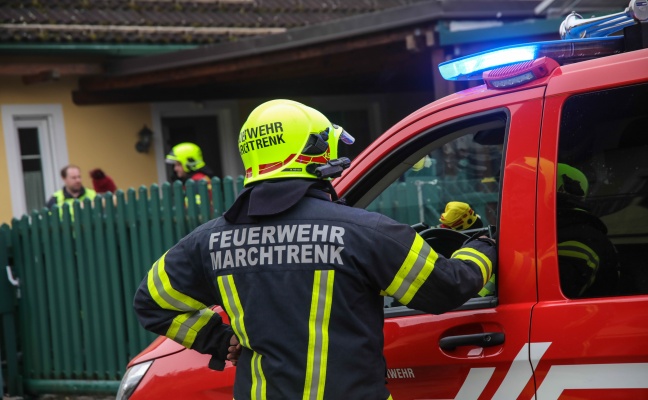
[(473, 66)]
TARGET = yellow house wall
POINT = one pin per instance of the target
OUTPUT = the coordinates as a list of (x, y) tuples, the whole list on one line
[(101, 136)]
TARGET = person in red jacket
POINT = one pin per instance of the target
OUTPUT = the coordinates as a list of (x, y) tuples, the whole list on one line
[(101, 182)]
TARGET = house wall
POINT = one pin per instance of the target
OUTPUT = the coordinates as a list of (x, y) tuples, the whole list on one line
[(97, 136), (105, 136)]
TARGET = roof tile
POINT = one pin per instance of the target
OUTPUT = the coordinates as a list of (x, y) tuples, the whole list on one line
[(72, 20)]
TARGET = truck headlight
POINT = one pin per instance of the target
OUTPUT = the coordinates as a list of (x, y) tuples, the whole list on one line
[(131, 379)]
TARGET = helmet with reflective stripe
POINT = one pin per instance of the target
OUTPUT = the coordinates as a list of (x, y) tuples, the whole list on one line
[(287, 139), (188, 155)]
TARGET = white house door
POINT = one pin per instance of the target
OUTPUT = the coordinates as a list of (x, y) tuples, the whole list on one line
[(37, 168), (36, 151)]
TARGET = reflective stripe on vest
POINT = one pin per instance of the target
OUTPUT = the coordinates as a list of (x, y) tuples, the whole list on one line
[(61, 199)]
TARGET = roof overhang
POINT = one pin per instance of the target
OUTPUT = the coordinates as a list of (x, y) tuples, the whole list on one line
[(377, 52)]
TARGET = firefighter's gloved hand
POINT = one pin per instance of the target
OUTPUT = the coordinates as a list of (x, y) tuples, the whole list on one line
[(234, 350)]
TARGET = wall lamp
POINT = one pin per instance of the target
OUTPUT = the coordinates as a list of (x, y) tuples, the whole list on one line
[(145, 139)]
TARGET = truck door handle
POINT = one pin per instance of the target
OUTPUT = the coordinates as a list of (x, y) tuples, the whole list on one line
[(486, 339)]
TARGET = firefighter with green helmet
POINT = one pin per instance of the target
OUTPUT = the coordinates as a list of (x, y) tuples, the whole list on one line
[(587, 260), (188, 163), (300, 275)]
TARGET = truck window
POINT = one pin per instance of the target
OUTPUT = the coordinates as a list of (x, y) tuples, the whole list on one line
[(602, 193), (461, 170), (462, 164)]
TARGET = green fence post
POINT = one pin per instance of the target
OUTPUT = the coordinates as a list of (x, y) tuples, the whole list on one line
[(179, 211), (156, 222), (136, 253), (105, 305), (190, 200), (139, 238), (80, 278), (72, 301), (167, 217), (228, 192), (8, 312), (50, 236), (217, 197), (92, 283), (116, 306), (40, 294), (204, 207), (128, 277), (28, 314)]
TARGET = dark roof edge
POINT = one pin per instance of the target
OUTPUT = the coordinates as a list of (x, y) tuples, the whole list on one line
[(345, 28)]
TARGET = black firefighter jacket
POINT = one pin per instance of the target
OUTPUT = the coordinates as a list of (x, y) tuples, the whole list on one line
[(303, 290)]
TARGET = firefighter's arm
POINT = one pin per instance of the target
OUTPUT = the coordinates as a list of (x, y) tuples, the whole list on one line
[(420, 278), (174, 300)]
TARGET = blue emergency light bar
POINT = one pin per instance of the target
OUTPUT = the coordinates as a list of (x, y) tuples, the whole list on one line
[(563, 51)]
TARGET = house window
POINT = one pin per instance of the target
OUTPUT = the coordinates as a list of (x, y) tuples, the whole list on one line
[(32, 166), (36, 150)]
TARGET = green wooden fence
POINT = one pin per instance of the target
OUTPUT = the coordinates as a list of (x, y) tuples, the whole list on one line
[(72, 329)]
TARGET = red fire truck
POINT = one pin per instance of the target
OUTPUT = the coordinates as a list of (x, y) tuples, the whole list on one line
[(549, 115)]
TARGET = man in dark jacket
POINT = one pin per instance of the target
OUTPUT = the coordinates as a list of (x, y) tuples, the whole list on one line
[(72, 189), (299, 275)]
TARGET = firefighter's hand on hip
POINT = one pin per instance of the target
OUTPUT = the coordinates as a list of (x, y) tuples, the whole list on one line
[(234, 350)]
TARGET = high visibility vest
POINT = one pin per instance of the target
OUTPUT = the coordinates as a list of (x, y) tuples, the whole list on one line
[(61, 199)]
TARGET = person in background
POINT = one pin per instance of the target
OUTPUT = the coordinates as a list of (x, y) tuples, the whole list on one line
[(587, 259), (101, 182), (72, 188), (300, 275), (188, 163)]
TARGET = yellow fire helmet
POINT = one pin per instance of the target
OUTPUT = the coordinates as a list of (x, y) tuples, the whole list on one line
[(287, 139), (188, 155), (571, 181), (458, 216)]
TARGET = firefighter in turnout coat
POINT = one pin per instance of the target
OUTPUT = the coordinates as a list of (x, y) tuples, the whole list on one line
[(300, 276)]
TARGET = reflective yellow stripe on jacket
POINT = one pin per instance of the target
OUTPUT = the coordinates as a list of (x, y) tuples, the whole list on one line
[(185, 327), (416, 268), (477, 257), (572, 248), (318, 335), (233, 307), (489, 288)]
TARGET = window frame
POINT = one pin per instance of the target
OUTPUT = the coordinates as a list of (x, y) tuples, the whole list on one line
[(48, 119), (388, 169)]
